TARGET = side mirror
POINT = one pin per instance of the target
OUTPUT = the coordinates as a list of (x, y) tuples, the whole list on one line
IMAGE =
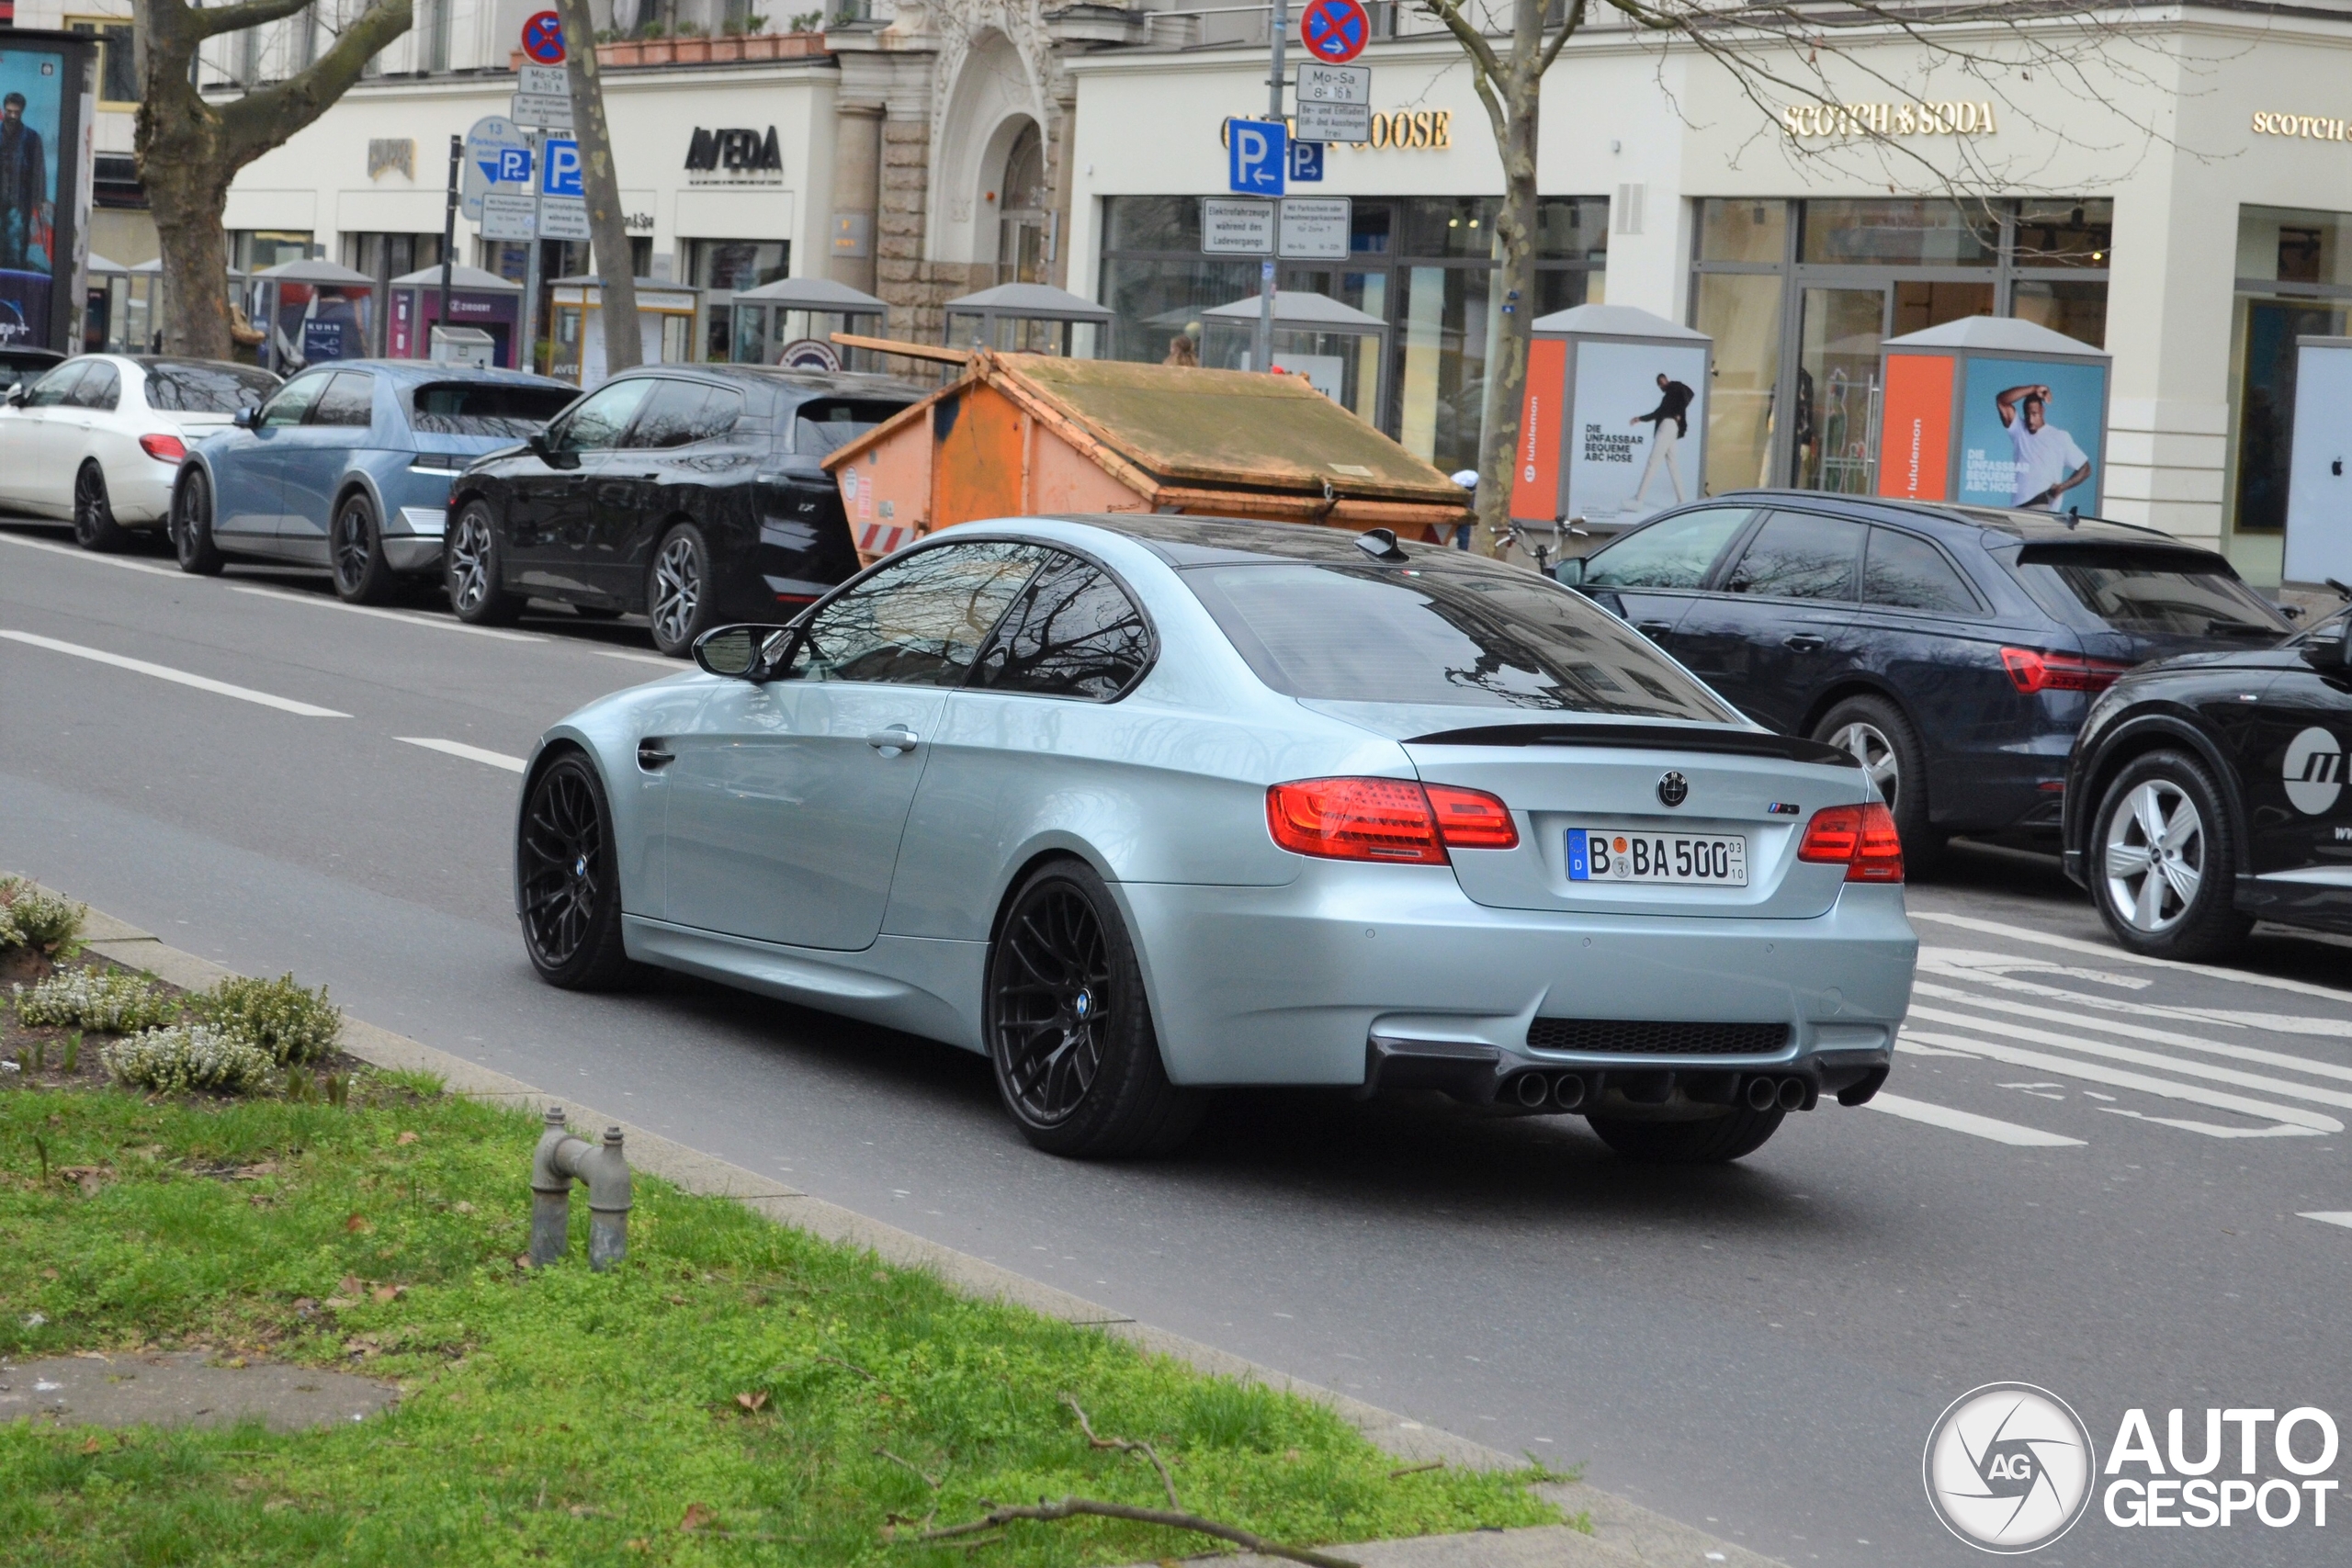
[(752, 653), (247, 417), (18, 393), (1571, 571), (2327, 648)]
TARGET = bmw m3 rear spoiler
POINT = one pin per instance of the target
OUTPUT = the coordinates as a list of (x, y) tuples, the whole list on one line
[(1646, 738)]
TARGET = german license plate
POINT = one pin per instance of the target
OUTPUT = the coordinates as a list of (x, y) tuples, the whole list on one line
[(1597, 854)]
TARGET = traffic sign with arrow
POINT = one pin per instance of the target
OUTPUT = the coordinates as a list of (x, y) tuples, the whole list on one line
[(1334, 31)]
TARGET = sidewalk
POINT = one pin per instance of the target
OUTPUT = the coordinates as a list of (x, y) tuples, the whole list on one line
[(1623, 1533)]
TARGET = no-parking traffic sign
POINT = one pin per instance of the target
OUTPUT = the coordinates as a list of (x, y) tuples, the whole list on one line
[(1334, 31), (543, 38)]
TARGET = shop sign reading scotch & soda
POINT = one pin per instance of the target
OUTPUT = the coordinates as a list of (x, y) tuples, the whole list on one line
[(1889, 119)]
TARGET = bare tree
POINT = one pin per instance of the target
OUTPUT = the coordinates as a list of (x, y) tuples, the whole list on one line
[(190, 150), (1781, 58)]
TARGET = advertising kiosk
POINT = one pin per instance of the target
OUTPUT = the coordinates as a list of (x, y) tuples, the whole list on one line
[(1989, 410), (1614, 426), (668, 324), (311, 312), (1028, 318), (792, 321), (1336, 347), (48, 104), (480, 300)]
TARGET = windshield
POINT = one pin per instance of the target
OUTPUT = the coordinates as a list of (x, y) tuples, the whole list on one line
[(485, 407), (180, 386), (1457, 636), (820, 424), (2145, 592)]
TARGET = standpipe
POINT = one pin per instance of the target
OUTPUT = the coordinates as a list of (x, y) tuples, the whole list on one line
[(558, 1161)]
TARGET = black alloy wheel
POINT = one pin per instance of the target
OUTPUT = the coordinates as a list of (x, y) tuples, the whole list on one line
[(93, 524), (2163, 861), (191, 527), (678, 591), (1717, 1141), (470, 570), (356, 550), (1069, 1029), (1880, 737), (568, 873)]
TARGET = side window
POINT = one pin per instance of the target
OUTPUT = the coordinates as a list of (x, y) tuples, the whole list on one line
[(670, 414), (1673, 553), (349, 400), (918, 622), (721, 407), (1074, 633), (291, 401), (100, 388), (1799, 554), (1907, 573), (599, 420), (56, 386)]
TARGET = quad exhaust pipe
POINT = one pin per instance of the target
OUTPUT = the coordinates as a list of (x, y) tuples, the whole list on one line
[(1570, 1091)]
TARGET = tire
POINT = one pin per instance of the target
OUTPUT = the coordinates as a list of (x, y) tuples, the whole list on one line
[(1068, 1026), (2179, 901), (472, 567), (93, 524), (679, 597), (355, 553), (566, 870), (191, 527), (1716, 1142), (1882, 739)]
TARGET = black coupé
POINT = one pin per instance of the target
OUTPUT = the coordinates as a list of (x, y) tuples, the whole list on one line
[(690, 493)]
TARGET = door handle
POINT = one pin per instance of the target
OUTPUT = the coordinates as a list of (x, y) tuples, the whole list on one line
[(653, 755), (895, 740), (1805, 642), (1653, 628)]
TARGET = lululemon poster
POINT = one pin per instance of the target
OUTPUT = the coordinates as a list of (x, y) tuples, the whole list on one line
[(2031, 435), (32, 99), (1639, 412)]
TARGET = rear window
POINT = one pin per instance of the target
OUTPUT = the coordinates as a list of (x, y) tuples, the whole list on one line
[(2145, 592), (484, 407), (195, 387), (822, 423), (1453, 636)]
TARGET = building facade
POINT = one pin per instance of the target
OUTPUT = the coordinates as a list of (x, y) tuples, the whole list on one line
[(2173, 188)]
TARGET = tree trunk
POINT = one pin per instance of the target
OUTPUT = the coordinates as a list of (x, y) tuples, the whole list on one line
[(1520, 89), (188, 192), (607, 225)]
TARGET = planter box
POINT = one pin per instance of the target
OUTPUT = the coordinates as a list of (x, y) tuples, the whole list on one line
[(722, 50), (691, 50), (725, 50), (658, 50)]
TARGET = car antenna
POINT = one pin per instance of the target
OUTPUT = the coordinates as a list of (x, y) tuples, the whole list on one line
[(2341, 592), (1381, 543)]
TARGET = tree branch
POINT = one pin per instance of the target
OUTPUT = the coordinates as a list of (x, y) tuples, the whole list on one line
[(1071, 1507), (1466, 32), (212, 21), (254, 124), (1125, 1446)]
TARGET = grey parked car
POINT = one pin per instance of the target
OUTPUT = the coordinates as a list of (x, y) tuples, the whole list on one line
[(1138, 806)]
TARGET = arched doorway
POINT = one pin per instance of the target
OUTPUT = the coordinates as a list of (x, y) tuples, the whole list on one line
[(1023, 210)]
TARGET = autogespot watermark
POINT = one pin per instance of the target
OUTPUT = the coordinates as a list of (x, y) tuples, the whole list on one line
[(2011, 1468)]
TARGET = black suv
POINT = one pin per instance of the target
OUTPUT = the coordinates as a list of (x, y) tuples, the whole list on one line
[(2209, 791), (689, 492), (1954, 649)]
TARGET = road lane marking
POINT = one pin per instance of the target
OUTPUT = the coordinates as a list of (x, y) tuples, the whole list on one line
[(1968, 1121), (79, 554), (2165, 1088), (471, 753), (2134, 1031), (450, 623), (1960, 965), (166, 673), (2212, 1131), (675, 666), (2137, 1057), (2117, 955), (2329, 1217)]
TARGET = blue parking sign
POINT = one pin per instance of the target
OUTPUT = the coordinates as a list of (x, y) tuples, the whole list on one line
[(1256, 151), (1306, 162), (560, 170)]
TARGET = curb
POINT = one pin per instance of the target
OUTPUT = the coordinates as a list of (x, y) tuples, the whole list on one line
[(1623, 1532)]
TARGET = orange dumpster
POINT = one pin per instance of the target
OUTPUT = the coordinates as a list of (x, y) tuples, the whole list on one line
[(1026, 435)]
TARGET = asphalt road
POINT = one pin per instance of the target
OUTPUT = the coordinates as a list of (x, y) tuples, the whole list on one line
[(2093, 1174)]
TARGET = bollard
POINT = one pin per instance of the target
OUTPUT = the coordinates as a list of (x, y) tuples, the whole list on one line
[(558, 1161)]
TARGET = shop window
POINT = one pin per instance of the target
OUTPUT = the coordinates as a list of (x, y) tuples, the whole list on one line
[(2304, 250), (1450, 226), (1152, 223), (118, 61), (1742, 312), (2063, 233), (250, 250), (2075, 309), (1743, 230), (1572, 227), (1155, 300), (1919, 305), (1901, 233), (729, 266)]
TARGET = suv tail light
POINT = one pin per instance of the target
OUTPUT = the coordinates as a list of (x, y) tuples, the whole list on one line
[(2031, 671), (1861, 837), (1385, 820), (164, 448)]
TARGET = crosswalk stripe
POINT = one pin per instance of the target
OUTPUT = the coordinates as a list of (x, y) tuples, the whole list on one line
[(1968, 1121), (2129, 1030), (2117, 955), (2330, 1218), (2166, 1087), (2140, 1058), (1932, 962)]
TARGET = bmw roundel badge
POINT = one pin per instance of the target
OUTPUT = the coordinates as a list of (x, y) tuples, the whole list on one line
[(1673, 789)]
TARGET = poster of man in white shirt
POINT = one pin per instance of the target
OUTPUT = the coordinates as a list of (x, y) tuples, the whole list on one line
[(2049, 463)]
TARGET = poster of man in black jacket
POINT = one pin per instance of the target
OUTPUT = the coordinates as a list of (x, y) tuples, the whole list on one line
[(1669, 422), (26, 212)]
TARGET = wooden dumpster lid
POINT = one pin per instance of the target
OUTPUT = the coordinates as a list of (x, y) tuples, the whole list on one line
[(1231, 429)]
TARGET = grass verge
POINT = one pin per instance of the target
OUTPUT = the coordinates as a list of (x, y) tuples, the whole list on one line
[(734, 1392)]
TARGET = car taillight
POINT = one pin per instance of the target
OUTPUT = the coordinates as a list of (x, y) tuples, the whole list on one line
[(2032, 670), (1861, 837), (1385, 820), (164, 448)]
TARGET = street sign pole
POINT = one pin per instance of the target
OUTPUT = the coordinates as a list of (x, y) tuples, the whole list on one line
[(529, 357), (1262, 352), (448, 237)]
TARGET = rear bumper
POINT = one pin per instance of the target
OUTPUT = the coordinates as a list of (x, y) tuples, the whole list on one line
[(1332, 978), (140, 494)]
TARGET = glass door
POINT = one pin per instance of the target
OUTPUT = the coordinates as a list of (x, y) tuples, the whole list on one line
[(1835, 427)]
